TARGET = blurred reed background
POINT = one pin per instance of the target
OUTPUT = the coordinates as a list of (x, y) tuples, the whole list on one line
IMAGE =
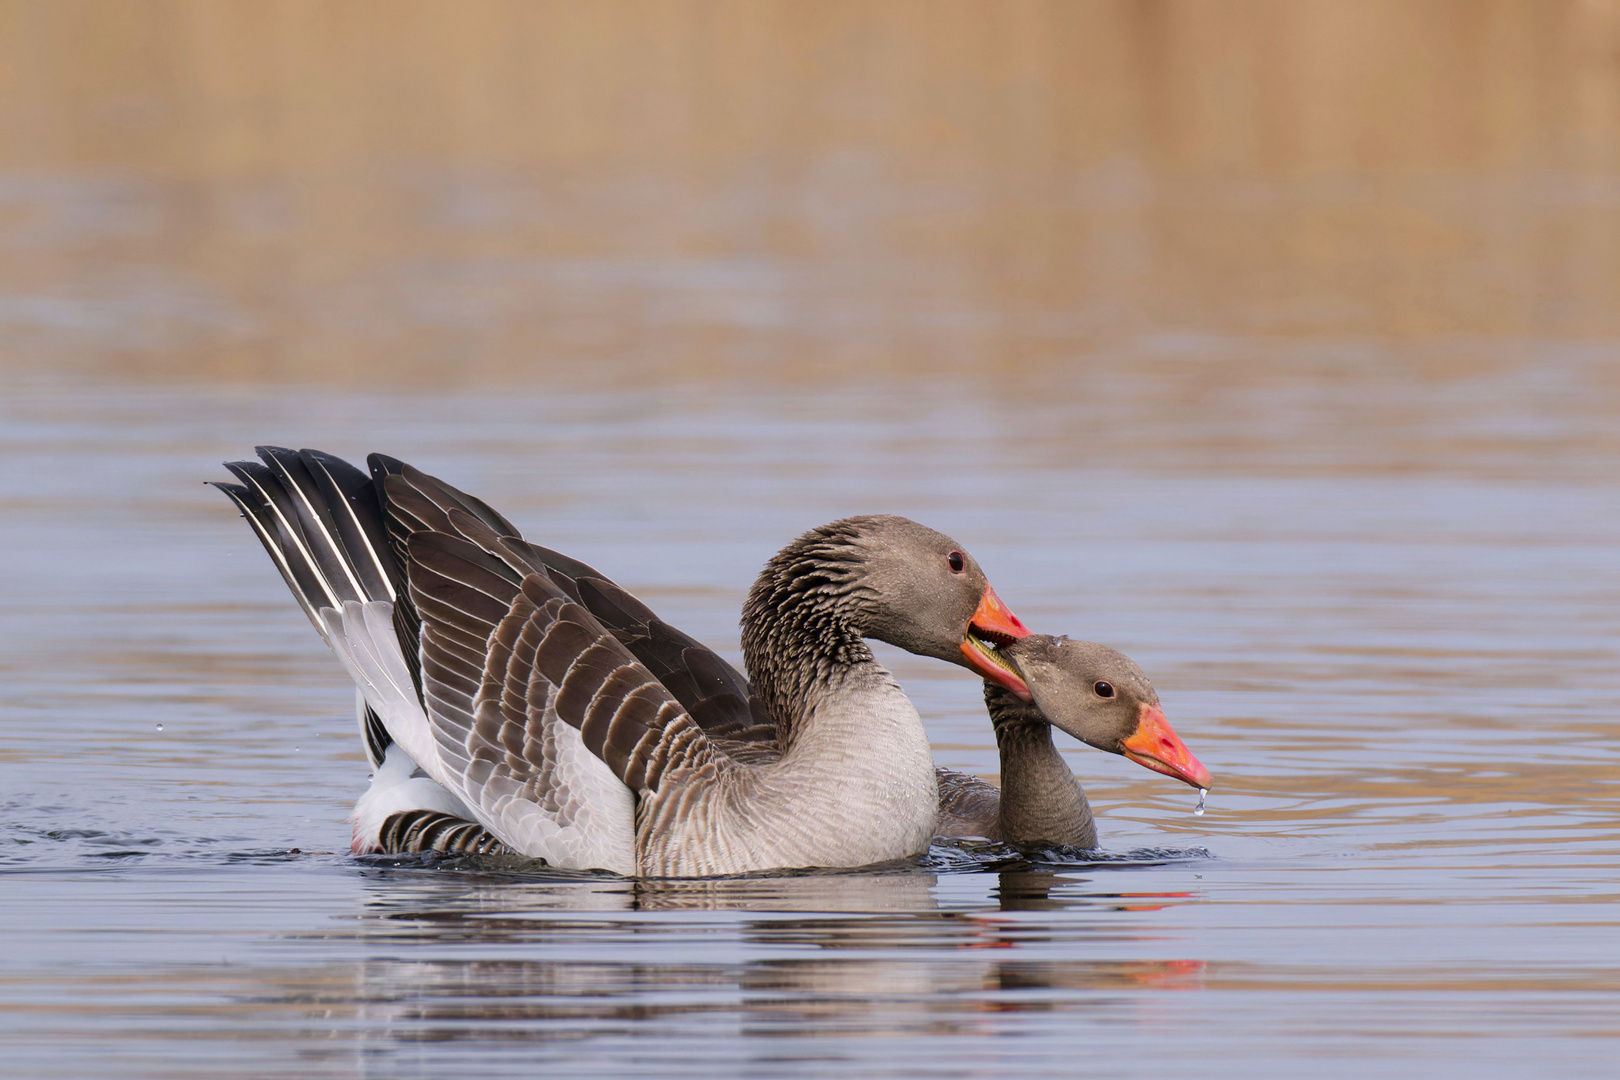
[(472, 193)]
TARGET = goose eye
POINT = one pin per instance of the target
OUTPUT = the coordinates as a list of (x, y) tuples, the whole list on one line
[(1104, 689), (958, 563)]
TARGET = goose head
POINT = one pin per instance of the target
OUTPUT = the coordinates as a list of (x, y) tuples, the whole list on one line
[(1102, 698), (891, 579)]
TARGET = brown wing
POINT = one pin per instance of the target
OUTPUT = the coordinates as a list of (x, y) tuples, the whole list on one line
[(713, 693), (501, 643), (968, 806), (320, 520), (415, 502)]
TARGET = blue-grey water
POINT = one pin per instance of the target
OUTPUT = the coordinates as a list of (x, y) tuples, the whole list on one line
[(1384, 612)]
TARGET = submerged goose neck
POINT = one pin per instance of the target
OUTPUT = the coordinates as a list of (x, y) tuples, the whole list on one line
[(1041, 801)]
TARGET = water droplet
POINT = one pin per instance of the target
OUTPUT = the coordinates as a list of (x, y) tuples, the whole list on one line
[(160, 727), (1199, 809)]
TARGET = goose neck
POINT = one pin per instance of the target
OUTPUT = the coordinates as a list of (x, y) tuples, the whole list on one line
[(1041, 801), (800, 653)]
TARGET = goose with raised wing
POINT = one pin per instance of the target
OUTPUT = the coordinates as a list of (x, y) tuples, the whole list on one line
[(491, 693)]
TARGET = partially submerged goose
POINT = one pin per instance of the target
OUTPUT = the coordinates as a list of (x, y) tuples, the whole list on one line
[(1087, 690), (491, 691)]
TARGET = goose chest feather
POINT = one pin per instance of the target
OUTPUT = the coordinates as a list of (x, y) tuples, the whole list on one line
[(856, 786)]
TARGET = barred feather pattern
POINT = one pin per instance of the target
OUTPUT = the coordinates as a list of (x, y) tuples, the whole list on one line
[(422, 831), (699, 810), (552, 729), (797, 628), (721, 700), (544, 658), (320, 520), (507, 654), (968, 806), (818, 805)]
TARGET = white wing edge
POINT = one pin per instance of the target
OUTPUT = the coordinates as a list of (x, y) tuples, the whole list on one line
[(362, 637)]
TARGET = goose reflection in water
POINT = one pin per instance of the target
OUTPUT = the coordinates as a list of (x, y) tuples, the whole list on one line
[(679, 1005), (820, 955), (403, 895)]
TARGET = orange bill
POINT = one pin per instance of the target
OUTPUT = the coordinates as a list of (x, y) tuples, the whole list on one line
[(1156, 745), (994, 624)]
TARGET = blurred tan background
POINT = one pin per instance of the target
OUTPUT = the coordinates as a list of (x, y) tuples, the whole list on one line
[(475, 192)]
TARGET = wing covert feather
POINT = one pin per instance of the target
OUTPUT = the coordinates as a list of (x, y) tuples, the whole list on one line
[(529, 697)]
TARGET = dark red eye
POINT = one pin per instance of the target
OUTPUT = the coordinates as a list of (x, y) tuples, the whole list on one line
[(958, 563), (1104, 689)]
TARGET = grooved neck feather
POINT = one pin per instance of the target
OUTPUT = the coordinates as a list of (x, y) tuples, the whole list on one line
[(801, 624)]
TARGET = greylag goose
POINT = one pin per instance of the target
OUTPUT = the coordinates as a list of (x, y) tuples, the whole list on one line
[(1087, 690), (489, 692)]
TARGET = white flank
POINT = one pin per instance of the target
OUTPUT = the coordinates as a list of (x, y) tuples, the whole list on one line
[(396, 788), (572, 811)]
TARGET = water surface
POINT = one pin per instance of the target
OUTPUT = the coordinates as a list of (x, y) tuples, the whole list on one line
[(1404, 681)]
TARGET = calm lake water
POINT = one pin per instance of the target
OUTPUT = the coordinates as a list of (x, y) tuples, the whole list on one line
[(1404, 678), (1275, 344)]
